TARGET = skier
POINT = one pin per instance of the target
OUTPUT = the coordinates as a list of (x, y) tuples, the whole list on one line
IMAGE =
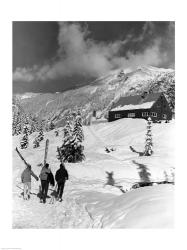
[(26, 180), (45, 177), (61, 176)]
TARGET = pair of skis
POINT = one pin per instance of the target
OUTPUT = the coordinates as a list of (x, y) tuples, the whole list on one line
[(45, 157)]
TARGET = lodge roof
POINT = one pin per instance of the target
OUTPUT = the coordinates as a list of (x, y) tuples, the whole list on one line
[(145, 101)]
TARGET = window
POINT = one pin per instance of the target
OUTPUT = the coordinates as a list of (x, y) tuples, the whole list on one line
[(144, 114), (154, 114), (131, 115), (117, 115), (164, 116)]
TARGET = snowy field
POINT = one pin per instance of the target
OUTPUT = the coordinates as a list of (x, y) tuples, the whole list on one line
[(88, 200)]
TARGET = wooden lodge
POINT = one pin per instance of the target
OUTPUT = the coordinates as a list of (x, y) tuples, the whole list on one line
[(143, 106)]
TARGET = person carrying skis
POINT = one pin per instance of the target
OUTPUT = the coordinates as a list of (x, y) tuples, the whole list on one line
[(61, 176), (26, 180), (46, 177)]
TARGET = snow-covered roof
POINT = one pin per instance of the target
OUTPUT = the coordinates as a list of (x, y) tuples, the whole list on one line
[(136, 102), (145, 105)]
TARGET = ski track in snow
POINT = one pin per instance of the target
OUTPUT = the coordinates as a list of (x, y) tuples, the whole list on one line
[(66, 214), (87, 201)]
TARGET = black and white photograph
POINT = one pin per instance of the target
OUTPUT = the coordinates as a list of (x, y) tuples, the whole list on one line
[(93, 124)]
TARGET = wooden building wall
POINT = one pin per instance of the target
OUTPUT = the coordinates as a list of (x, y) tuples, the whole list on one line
[(160, 107)]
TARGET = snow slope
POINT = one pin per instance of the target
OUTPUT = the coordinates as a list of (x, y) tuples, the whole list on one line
[(99, 94), (90, 201)]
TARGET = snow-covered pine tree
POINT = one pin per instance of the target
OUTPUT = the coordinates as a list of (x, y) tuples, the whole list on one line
[(24, 141), (121, 74), (51, 125), (14, 124), (37, 124), (78, 137), (71, 149), (18, 124), (148, 141), (78, 130), (31, 124), (64, 152), (41, 134)]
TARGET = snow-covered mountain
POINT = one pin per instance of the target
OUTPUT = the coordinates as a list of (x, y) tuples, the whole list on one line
[(99, 94)]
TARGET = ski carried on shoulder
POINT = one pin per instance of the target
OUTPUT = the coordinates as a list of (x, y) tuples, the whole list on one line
[(60, 155), (46, 151), (20, 155), (45, 160)]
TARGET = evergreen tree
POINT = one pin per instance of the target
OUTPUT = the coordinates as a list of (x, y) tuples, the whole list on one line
[(78, 130), (71, 149), (41, 134), (78, 137), (121, 74), (66, 148), (14, 124), (51, 125), (24, 141), (31, 124), (148, 141), (18, 124)]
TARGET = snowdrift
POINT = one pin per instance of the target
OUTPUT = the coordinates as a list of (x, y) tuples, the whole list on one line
[(89, 199), (148, 207)]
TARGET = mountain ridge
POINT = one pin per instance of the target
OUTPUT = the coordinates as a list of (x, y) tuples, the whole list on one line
[(100, 93)]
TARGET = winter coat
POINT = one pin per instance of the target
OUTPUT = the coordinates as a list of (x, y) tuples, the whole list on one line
[(50, 179), (26, 175), (44, 173), (61, 175)]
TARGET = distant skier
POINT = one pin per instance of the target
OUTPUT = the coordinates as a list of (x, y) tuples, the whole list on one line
[(26, 180), (46, 177), (61, 176)]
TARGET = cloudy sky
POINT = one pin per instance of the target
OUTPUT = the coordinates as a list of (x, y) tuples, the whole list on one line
[(56, 56)]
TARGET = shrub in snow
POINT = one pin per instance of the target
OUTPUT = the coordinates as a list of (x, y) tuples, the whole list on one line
[(172, 174), (56, 133), (36, 143), (166, 177)]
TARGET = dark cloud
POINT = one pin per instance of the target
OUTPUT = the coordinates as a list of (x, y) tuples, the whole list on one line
[(80, 53)]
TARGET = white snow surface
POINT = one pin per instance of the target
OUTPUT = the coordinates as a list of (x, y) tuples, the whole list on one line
[(88, 200), (145, 105)]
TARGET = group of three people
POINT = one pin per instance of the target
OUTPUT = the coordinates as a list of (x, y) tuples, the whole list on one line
[(46, 178)]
